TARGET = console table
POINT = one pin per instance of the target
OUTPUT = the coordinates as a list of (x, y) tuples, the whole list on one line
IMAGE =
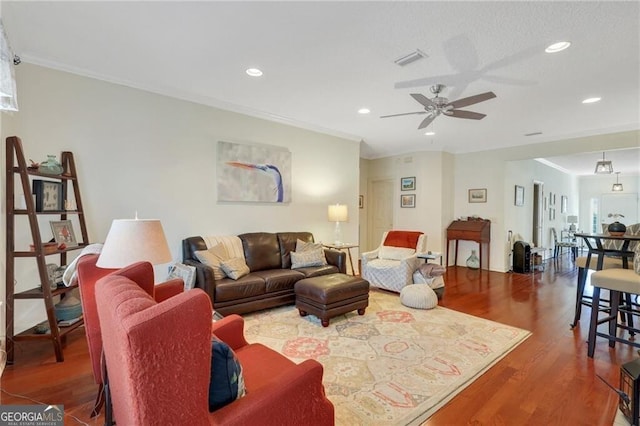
[(470, 230)]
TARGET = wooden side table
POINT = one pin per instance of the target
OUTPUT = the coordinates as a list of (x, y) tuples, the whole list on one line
[(344, 246)]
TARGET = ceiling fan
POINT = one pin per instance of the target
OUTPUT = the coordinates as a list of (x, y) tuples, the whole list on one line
[(440, 105)]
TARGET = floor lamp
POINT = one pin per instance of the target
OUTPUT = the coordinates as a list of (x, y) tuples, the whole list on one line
[(338, 213)]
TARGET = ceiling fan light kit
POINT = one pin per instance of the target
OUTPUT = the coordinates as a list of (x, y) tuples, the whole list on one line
[(439, 105)]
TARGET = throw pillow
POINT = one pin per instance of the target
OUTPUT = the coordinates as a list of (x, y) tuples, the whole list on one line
[(308, 258), (226, 383), (235, 268), (302, 246), (186, 272), (395, 253), (213, 257)]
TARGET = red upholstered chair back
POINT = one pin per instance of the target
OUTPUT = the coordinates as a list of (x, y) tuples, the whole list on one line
[(88, 275), (155, 373)]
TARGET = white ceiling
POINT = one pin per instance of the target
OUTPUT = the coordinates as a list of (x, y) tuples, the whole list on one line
[(322, 61)]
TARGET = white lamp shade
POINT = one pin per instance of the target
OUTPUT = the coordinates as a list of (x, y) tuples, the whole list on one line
[(572, 219), (134, 240), (338, 213)]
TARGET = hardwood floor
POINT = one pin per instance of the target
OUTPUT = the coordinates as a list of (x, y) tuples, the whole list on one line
[(547, 380)]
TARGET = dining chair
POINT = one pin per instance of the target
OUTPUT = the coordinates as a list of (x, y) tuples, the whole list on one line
[(558, 245)]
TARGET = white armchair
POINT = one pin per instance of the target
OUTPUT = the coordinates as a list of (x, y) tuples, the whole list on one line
[(392, 264)]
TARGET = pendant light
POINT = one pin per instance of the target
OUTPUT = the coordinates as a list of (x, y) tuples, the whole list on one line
[(617, 187), (603, 167)]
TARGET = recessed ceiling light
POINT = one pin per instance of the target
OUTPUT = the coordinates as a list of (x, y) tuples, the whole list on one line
[(591, 100), (254, 72), (430, 133), (557, 47), (364, 111)]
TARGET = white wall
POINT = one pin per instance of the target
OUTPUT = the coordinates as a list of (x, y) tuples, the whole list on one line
[(598, 185), (137, 151), (487, 169), (433, 172), (519, 219)]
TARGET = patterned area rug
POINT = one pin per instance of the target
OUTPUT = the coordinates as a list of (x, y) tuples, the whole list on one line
[(394, 365)]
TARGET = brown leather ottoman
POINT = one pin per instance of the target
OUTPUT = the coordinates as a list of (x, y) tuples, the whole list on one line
[(331, 295)]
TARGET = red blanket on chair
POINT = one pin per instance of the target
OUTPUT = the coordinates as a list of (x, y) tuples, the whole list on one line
[(407, 239)]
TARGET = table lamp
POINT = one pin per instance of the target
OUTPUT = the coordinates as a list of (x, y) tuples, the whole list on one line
[(134, 240), (338, 213), (572, 220)]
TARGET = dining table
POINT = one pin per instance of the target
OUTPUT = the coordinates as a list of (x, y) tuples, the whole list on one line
[(595, 244)]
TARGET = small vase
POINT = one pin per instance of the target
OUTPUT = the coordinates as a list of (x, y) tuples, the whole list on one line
[(617, 229), (51, 166), (473, 262)]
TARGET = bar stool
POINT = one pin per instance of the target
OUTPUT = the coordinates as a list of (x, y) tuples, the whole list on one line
[(617, 281), (581, 263)]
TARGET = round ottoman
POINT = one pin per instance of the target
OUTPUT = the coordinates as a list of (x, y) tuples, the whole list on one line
[(419, 296)]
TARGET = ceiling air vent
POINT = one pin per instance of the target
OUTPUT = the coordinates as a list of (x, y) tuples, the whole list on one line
[(411, 57)]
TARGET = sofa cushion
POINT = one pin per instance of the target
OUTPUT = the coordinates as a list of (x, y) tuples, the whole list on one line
[(288, 241), (235, 268), (227, 382), (248, 286), (279, 279), (261, 251), (313, 257), (316, 271), (213, 257)]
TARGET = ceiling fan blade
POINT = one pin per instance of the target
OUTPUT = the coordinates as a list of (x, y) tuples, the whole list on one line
[(423, 100), (426, 122), (458, 113), (472, 100), (404, 113)]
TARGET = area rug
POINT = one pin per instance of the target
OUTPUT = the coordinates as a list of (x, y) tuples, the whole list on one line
[(392, 366)]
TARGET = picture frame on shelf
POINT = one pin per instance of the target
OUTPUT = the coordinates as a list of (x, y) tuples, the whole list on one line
[(519, 196), (478, 195), (408, 183), (361, 201), (408, 201), (49, 195), (63, 232)]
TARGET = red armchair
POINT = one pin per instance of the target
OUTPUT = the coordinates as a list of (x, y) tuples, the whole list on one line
[(159, 358), (88, 275)]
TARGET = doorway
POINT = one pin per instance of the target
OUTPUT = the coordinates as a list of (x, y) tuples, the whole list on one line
[(381, 211), (538, 213)]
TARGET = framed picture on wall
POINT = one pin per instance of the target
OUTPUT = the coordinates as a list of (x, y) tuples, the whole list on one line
[(519, 196), (478, 195), (408, 183), (563, 204), (408, 201)]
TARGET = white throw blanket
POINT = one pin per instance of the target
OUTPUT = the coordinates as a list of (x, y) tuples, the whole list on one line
[(69, 276)]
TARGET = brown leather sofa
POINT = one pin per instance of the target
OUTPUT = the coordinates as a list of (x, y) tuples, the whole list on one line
[(270, 281)]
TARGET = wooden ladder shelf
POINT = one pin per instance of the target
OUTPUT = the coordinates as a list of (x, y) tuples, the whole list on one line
[(17, 166)]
